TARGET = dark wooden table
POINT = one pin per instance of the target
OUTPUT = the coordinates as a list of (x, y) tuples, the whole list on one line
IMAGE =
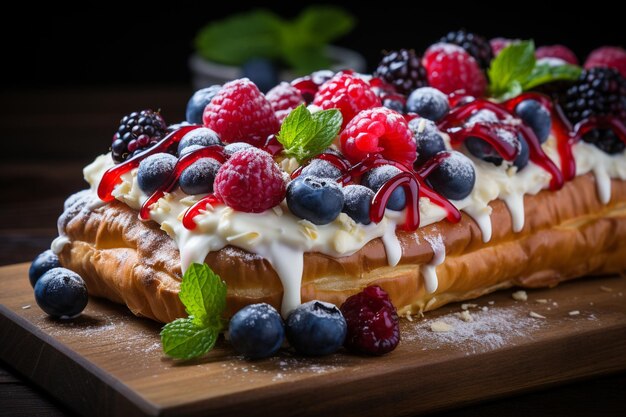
[(48, 136)]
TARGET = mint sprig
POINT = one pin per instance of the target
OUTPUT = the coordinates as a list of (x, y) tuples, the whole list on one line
[(203, 294), (304, 134), (515, 70)]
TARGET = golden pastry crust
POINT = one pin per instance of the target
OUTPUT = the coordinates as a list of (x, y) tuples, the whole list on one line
[(567, 234)]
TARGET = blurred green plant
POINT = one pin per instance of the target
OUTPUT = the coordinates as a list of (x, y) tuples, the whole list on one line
[(298, 44)]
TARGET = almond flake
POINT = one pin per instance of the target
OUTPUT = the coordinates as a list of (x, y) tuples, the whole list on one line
[(541, 301), (520, 295), (536, 315), (574, 313), (468, 305)]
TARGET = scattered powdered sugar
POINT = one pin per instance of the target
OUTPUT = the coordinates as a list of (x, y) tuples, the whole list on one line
[(321, 168), (232, 252), (482, 116), (458, 165)]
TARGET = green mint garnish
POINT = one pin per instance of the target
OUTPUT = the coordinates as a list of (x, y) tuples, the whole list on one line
[(203, 294), (515, 70), (304, 134)]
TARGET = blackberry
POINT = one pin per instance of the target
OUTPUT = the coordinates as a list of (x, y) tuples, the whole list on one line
[(475, 45), (137, 132), (598, 92), (403, 70)]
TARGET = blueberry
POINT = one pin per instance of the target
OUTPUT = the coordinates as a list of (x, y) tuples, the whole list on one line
[(377, 177), (318, 200), (429, 103), (481, 149), (190, 149), (454, 178), (197, 103), (198, 178), (202, 136), (536, 117), (394, 103), (231, 148), (154, 171), (61, 293), (357, 200), (316, 328), (321, 168), (257, 331), (262, 72), (428, 139), (44, 262)]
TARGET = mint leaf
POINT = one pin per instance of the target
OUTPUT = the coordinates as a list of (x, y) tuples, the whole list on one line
[(203, 293), (184, 339), (511, 68), (305, 135), (324, 23), (545, 73)]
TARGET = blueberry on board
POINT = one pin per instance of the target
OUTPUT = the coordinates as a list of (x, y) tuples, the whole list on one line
[(44, 262), (536, 117), (203, 136), (316, 328), (198, 178), (429, 103), (61, 293), (357, 200), (427, 138), (154, 171), (231, 148), (377, 177), (197, 103), (321, 168), (318, 200), (262, 72), (454, 178), (257, 331)]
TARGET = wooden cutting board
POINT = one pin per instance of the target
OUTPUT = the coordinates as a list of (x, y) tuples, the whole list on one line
[(108, 362)]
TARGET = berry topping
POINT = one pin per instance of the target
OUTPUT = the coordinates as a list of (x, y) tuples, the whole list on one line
[(378, 131), (454, 177), (154, 171), (284, 97), (348, 93), (608, 57), (198, 178), (201, 136), (373, 325), (318, 200), (429, 103), (231, 148), (395, 102), (189, 149), (316, 328), (257, 331), (44, 262), (137, 132), (450, 68), (427, 138), (536, 117), (309, 84), (357, 200), (598, 92), (197, 103), (377, 177), (475, 45), (61, 293), (250, 181), (557, 51), (403, 70), (239, 112), (498, 44), (322, 169)]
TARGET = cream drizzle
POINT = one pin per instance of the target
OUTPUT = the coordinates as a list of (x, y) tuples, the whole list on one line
[(429, 270)]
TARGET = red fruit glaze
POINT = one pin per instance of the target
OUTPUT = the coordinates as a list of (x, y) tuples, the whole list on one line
[(193, 211), (450, 68), (239, 112), (250, 181), (373, 325), (608, 56), (378, 131), (557, 51), (348, 93)]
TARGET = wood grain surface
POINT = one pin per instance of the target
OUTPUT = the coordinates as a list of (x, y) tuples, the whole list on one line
[(108, 362)]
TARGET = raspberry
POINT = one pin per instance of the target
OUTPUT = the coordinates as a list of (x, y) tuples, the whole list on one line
[(348, 93), (380, 130), (498, 44), (475, 45), (608, 56), (250, 181), (284, 97), (557, 51), (402, 69), (239, 112), (137, 132), (451, 69), (373, 325)]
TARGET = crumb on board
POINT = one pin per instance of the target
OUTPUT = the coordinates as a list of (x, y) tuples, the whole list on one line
[(574, 313), (491, 302), (541, 301), (465, 316), (485, 308), (536, 315), (441, 327), (26, 307), (606, 289), (520, 295), (465, 306)]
